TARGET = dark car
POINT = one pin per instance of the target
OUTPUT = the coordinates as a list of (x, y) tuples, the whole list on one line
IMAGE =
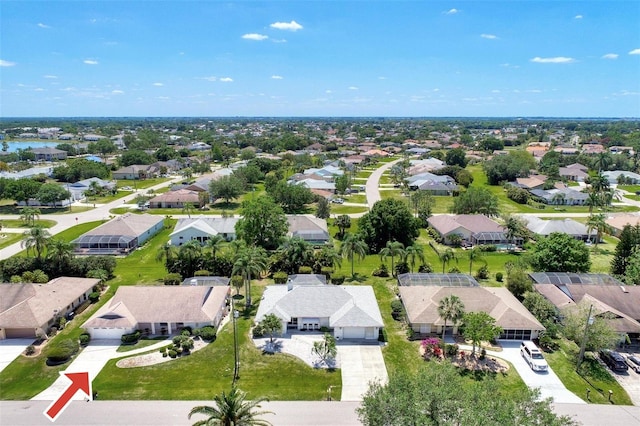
[(614, 360), (634, 363)]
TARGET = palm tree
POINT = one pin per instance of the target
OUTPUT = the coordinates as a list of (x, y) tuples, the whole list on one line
[(447, 256), (36, 238), (602, 161), (251, 261), (597, 223), (190, 258), (558, 198), (450, 308), (515, 228), (412, 252), (393, 249), (167, 253), (237, 246), (30, 215), (353, 246), (215, 243), (231, 410), (328, 256), (592, 201), (475, 254), (297, 252), (187, 208), (59, 252)]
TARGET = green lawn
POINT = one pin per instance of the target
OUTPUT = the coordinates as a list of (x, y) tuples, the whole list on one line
[(140, 184), (342, 209), (16, 223), (142, 343), (6, 239), (594, 376), (630, 188), (364, 174), (108, 198), (356, 198)]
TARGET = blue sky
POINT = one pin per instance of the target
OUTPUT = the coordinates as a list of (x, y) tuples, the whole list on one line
[(320, 58)]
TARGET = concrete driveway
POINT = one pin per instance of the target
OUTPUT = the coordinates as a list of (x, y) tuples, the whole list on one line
[(630, 380), (360, 365), (549, 384), (11, 349)]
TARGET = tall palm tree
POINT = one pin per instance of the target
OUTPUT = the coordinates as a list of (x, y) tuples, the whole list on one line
[(393, 249), (475, 254), (251, 261), (59, 252), (237, 246), (190, 258), (602, 161), (515, 228), (412, 252), (297, 252), (215, 244), (36, 238), (353, 246), (231, 410), (187, 208), (447, 256), (328, 256), (593, 200), (450, 308), (167, 253), (596, 222)]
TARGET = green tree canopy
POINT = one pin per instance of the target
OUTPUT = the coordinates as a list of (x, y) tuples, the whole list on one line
[(52, 193), (292, 198), (629, 239), (560, 252), (600, 334), (508, 167), (226, 187), (263, 223), (476, 200), (479, 327), (456, 157), (388, 220)]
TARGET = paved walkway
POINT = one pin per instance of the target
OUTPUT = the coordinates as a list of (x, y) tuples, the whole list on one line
[(361, 365), (91, 359)]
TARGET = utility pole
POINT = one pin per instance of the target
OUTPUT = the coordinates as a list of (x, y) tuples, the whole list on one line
[(584, 338)]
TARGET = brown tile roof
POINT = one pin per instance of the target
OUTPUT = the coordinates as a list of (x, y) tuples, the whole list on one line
[(619, 221), (181, 195), (475, 223), (131, 225), (421, 304)]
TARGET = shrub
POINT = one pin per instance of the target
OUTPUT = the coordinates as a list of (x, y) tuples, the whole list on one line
[(258, 331), (483, 272), (172, 353), (488, 247), (201, 273), (425, 268), (499, 276), (207, 333), (186, 331), (30, 350), (382, 271), (451, 350), (164, 354), (305, 270), (326, 271), (455, 270), (483, 354), (172, 279), (62, 351), (337, 279), (94, 297), (84, 339), (176, 340), (519, 195), (280, 277), (397, 310), (402, 268), (382, 335), (131, 338)]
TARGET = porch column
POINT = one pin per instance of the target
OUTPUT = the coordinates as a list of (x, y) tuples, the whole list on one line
[(168, 328), (153, 328)]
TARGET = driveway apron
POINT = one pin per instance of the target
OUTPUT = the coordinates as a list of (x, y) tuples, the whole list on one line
[(360, 365)]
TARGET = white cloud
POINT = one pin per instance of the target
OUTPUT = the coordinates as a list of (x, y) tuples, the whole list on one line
[(226, 79), (635, 52), (328, 91), (158, 84), (382, 78), (495, 91), (489, 36), (4, 63), (38, 89), (577, 17), (610, 56), (117, 92), (451, 12), (254, 36), (553, 60), (90, 62), (41, 25), (277, 77), (212, 78), (50, 76), (287, 26), (353, 88)]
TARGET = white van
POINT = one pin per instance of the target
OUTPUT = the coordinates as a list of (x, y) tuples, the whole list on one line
[(533, 356)]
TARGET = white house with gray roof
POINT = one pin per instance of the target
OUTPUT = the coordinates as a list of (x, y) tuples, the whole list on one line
[(542, 227), (350, 312)]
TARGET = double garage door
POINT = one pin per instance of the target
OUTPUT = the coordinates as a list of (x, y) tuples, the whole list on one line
[(358, 333), (19, 333)]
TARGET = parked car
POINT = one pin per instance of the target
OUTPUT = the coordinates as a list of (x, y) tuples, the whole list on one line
[(634, 363), (338, 201), (533, 356), (614, 360)]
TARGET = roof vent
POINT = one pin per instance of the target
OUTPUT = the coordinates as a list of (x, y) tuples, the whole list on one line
[(624, 289)]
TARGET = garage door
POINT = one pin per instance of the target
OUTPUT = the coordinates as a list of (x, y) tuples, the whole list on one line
[(353, 333), (19, 333), (106, 333)]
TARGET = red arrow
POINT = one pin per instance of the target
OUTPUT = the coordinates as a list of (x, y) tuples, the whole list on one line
[(79, 381)]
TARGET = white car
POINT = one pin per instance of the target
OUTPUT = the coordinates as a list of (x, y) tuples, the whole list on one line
[(337, 201), (533, 356)]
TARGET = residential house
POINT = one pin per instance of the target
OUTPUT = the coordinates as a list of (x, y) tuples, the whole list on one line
[(426, 165), (531, 182), (78, 189), (593, 148), (619, 221), (31, 172), (474, 229), (120, 235), (575, 172), (49, 154), (134, 172), (617, 302), (622, 177), (158, 310), (308, 227), (349, 312), (29, 310), (542, 227), (422, 297), (207, 281), (175, 199), (434, 184), (203, 228), (564, 196)]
